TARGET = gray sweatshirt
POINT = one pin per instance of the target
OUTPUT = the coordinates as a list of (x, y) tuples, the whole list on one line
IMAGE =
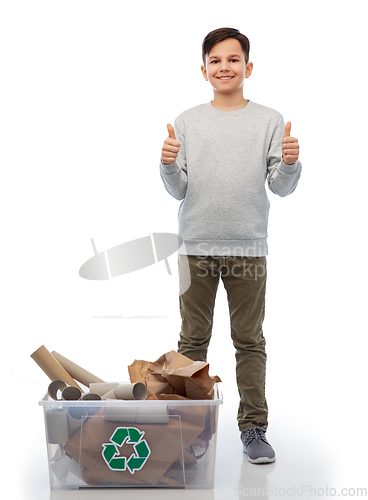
[(220, 174)]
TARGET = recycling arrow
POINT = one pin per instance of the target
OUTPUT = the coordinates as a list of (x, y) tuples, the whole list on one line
[(129, 435)]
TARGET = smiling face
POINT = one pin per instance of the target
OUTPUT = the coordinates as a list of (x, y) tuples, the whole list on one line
[(225, 67)]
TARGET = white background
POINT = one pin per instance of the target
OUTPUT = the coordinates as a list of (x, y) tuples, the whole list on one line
[(87, 89)]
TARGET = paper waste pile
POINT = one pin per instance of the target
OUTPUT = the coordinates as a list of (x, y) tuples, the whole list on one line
[(98, 429)]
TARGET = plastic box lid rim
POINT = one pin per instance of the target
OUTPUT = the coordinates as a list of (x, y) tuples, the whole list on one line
[(47, 402)]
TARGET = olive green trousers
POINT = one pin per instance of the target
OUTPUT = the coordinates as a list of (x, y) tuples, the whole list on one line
[(244, 279)]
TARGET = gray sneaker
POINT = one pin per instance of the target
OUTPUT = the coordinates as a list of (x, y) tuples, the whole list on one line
[(256, 446)]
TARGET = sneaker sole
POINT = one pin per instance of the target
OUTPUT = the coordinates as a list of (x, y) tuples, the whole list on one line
[(259, 460)]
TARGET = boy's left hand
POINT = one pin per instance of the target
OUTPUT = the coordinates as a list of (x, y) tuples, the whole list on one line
[(290, 147)]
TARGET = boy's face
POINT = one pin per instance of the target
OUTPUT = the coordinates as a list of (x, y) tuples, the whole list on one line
[(225, 67)]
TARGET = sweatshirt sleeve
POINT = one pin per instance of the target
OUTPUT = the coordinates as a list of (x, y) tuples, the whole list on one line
[(282, 179), (174, 175)]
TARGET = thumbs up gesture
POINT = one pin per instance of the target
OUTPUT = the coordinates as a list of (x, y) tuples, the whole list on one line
[(290, 146), (171, 147)]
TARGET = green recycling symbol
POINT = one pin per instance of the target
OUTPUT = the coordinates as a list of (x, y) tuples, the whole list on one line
[(130, 435)]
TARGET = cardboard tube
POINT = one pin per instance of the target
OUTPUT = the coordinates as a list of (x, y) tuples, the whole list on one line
[(76, 417), (68, 392), (56, 426), (71, 393), (54, 387), (102, 388), (135, 414), (77, 372), (51, 366), (109, 395), (152, 415), (126, 414), (88, 396), (137, 391)]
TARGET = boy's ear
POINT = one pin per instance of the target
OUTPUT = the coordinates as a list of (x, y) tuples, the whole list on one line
[(249, 70), (204, 72)]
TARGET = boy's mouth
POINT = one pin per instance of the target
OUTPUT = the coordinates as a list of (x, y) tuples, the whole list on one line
[(224, 77)]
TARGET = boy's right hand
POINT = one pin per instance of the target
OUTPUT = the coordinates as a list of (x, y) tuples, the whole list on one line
[(170, 148)]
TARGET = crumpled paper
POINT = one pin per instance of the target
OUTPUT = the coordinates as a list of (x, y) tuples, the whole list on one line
[(174, 375)]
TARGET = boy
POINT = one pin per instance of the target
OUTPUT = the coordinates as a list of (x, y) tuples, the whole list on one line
[(217, 160)]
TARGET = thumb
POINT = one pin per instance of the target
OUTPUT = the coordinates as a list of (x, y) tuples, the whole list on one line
[(171, 131), (287, 129)]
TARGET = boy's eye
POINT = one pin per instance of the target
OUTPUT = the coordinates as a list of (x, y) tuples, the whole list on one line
[(231, 60)]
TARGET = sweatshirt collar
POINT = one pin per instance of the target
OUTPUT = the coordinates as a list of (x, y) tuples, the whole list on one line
[(236, 112)]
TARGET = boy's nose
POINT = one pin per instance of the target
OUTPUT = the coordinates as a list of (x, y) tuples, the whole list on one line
[(224, 67)]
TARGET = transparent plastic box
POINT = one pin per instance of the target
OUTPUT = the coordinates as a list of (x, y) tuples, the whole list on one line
[(118, 443)]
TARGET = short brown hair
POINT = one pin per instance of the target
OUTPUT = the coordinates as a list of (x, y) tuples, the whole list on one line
[(221, 34)]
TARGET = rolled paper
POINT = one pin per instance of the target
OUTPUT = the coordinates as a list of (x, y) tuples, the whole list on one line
[(51, 366), (102, 388), (76, 417), (71, 393), (77, 372), (137, 391), (54, 387), (56, 426)]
